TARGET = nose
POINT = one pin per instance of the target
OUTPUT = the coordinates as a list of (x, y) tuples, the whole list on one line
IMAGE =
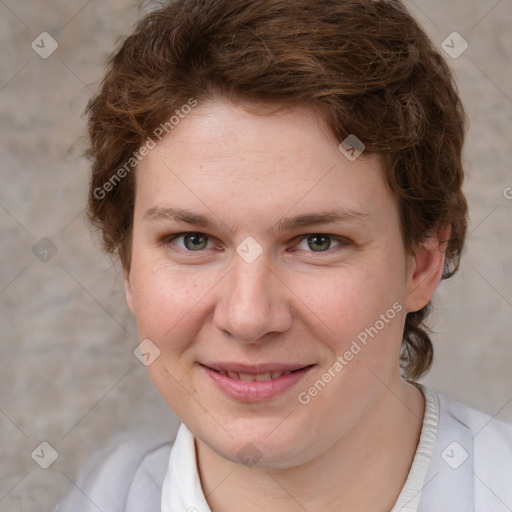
[(253, 302)]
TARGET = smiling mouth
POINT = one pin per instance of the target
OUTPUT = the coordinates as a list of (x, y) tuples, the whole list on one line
[(248, 377), (252, 377), (265, 382)]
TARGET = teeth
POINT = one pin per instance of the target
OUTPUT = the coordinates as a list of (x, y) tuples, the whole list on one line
[(263, 376), (250, 378), (278, 374)]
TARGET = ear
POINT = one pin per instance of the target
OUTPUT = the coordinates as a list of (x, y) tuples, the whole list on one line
[(425, 269), (128, 291)]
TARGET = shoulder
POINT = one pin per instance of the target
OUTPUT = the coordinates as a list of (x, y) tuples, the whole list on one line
[(470, 464), (491, 446), (122, 478), (484, 427)]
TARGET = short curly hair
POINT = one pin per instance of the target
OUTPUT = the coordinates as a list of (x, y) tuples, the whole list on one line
[(366, 66)]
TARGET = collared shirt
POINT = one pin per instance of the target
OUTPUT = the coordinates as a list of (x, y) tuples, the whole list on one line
[(463, 463)]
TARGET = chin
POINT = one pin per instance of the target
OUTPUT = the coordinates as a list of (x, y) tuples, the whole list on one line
[(252, 447)]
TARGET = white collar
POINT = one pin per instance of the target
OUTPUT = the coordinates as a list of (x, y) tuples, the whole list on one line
[(410, 495), (182, 490)]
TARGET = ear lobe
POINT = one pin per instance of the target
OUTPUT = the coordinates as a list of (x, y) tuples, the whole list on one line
[(426, 269)]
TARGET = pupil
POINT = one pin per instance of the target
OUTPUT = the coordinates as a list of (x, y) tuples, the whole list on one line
[(316, 238), (195, 237)]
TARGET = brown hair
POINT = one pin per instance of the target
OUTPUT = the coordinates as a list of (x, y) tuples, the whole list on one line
[(365, 65)]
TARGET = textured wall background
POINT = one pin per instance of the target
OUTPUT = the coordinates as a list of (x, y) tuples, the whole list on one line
[(68, 372)]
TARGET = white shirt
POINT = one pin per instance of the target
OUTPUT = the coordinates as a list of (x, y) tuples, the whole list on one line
[(463, 463)]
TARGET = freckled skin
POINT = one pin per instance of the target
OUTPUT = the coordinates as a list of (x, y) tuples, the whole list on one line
[(297, 302)]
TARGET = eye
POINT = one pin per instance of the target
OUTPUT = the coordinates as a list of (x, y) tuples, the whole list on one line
[(192, 241), (319, 242), (196, 242)]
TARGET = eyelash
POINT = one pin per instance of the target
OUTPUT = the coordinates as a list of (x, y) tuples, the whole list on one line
[(167, 241)]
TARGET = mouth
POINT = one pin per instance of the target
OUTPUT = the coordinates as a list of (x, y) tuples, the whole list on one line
[(255, 383), (260, 377)]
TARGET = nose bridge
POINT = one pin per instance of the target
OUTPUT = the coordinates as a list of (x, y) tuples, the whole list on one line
[(250, 281), (253, 302)]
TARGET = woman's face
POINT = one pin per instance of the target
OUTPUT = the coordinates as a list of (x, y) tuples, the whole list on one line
[(248, 276)]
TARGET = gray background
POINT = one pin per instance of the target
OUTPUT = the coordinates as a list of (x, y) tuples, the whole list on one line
[(68, 373)]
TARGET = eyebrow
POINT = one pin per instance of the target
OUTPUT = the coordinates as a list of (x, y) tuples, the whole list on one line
[(338, 215)]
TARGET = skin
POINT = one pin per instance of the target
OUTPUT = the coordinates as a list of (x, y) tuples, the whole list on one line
[(352, 445)]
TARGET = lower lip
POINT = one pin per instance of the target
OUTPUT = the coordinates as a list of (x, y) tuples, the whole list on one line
[(255, 391)]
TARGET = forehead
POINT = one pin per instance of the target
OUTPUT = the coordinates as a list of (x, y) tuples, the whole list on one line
[(220, 130), (221, 154)]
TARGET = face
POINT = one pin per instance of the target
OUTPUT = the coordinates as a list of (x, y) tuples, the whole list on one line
[(287, 254)]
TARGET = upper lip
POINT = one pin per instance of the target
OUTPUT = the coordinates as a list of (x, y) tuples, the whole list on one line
[(255, 369)]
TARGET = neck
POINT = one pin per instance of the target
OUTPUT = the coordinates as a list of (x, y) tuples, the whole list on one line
[(363, 470)]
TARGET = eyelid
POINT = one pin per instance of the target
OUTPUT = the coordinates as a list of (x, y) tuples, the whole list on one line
[(343, 241), (167, 239)]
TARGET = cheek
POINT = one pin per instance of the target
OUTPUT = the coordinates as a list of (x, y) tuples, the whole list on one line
[(363, 309), (167, 302), (353, 298)]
